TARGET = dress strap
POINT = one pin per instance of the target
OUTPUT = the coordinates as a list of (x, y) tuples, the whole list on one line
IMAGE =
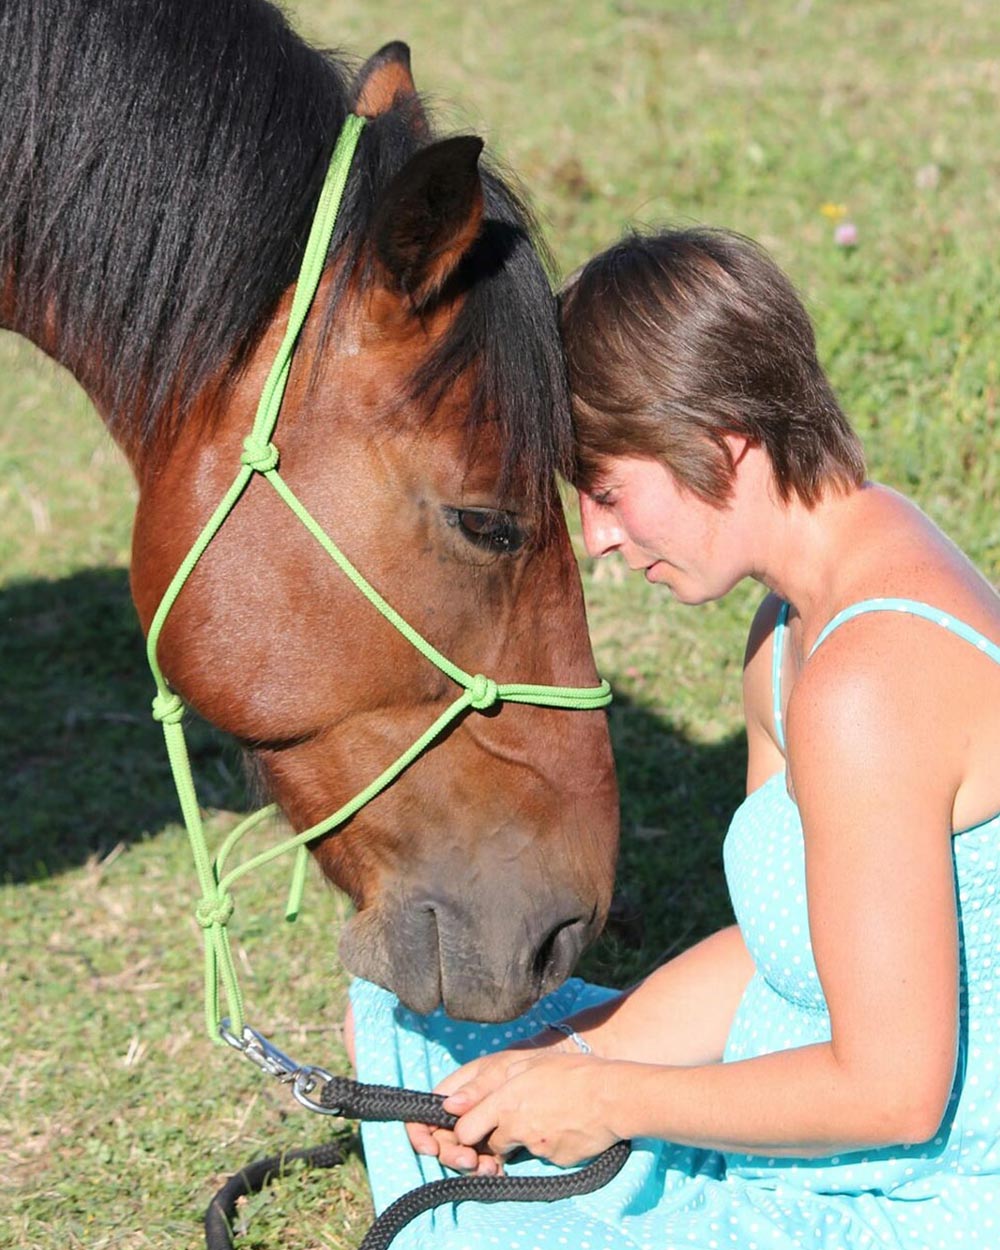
[(914, 608), (777, 650)]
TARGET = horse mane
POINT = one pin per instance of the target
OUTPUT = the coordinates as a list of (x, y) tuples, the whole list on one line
[(159, 167)]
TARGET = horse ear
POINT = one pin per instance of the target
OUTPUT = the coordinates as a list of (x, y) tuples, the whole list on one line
[(385, 81), (429, 216)]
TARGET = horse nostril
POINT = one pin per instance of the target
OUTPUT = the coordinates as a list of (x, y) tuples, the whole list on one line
[(544, 954), (557, 955)]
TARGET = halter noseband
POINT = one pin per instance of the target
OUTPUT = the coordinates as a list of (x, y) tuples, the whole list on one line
[(260, 456)]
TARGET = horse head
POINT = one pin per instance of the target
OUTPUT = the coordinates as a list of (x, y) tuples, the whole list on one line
[(423, 425)]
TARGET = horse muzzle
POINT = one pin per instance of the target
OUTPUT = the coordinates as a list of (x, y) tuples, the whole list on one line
[(433, 949)]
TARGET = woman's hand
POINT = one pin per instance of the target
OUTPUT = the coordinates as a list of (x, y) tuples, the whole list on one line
[(551, 1104), (546, 1102), (485, 1074), (505, 1089)]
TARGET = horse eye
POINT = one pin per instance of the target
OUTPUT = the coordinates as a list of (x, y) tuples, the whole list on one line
[(487, 528)]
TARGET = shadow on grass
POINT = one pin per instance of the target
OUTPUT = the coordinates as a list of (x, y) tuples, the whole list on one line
[(82, 764), (82, 768)]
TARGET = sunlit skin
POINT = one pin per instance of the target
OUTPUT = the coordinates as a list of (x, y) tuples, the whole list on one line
[(674, 538), (893, 732)]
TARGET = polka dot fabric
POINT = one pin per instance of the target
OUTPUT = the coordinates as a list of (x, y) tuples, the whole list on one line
[(944, 1195), (933, 1197)]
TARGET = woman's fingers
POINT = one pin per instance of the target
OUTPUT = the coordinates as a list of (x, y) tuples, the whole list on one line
[(422, 1139), (454, 1154), (469, 1073), (483, 1082), (442, 1144), (477, 1124)]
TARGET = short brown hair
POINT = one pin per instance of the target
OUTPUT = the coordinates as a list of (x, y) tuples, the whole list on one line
[(674, 340)]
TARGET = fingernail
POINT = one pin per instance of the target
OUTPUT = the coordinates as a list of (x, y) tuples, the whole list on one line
[(459, 1099)]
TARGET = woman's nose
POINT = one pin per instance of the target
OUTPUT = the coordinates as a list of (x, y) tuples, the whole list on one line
[(602, 533)]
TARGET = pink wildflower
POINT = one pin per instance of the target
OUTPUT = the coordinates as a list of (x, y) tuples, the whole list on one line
[(846, 234)]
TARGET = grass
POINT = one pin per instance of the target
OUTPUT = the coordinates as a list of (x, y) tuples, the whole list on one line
[(116, 1118)]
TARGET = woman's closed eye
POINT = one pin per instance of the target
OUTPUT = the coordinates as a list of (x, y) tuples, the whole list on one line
[(604, 496)]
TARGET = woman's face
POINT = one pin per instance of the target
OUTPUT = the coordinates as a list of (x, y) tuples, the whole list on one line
[(638, 508)]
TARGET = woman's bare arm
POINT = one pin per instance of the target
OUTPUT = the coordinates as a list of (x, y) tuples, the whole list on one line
[(875, 772), (681, 1013)]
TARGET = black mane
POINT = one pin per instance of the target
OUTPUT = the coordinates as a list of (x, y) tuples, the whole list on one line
[(159, 167)]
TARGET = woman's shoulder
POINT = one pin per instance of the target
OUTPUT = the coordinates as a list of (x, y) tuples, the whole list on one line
[(897, 687), (898, 565), (901, 553), (907, 642)]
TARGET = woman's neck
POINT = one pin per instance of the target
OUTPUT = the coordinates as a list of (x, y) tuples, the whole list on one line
[(811, 556)]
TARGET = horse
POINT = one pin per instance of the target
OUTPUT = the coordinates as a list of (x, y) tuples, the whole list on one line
[(159, 165)]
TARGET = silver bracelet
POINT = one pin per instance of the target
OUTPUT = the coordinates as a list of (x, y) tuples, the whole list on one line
[(582, 1045)]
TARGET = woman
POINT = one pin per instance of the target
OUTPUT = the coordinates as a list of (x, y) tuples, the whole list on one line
[(826, 1074)]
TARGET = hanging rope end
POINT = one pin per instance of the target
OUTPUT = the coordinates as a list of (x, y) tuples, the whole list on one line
[(298, 883)]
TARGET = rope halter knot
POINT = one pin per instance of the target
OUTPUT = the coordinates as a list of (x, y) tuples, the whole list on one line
[(261, 457), (212, 911), (483, 692), (168, 708)]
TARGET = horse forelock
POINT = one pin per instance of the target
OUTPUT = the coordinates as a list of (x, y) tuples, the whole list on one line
[(506, 335), (501, 343), (159, 165)]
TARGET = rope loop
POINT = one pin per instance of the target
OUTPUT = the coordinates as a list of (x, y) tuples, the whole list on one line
[(168, 708), (484, 692), (212, 911), (261, 457)]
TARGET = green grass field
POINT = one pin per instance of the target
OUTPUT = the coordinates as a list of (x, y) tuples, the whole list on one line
[(116, 1118)]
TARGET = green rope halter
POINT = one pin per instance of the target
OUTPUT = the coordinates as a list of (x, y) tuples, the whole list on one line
[(260, 455)]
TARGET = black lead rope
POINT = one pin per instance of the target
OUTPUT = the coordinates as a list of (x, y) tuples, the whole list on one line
[(354, 1100)]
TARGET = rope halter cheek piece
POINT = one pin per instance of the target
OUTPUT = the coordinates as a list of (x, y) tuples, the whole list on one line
[(260, 456)]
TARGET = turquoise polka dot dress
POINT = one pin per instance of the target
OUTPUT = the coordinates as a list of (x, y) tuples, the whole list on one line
[(944, 1195)]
